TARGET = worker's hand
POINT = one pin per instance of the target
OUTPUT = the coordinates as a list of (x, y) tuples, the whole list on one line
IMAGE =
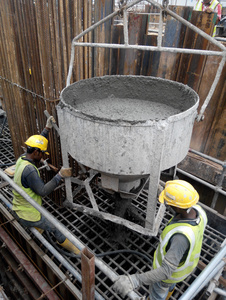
[(124, 284), (50, 121), (65, 172)]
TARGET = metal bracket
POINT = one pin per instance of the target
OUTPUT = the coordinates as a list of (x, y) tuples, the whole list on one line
[(86, 184)]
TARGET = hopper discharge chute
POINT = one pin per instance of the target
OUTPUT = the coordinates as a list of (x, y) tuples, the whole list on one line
[(127, 129)]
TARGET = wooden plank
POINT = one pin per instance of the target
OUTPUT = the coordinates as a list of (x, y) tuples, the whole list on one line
[(191, 65), (114, 52), (207, 137), (90, 38), (102, 34), (137, 24), (148, 58), (173, 37), (109, 7), (10, 71), (88, 51), (86, 38), (80, 49), (202, 168), (216, 140), (117, 56)]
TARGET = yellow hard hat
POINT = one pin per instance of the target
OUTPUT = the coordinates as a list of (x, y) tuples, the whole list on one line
[(179, 193), (37, 141)]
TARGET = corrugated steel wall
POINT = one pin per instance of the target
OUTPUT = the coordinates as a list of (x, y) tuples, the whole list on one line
[(35, 54)]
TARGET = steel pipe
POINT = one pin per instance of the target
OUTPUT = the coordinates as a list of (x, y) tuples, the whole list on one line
[(208, 273), (44, 242), (88, 30), (220, 292), (222, 163), (213, 187), (150, 48), (102, 266)]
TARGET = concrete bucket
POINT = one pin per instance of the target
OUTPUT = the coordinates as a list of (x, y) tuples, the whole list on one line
[(127, 127)]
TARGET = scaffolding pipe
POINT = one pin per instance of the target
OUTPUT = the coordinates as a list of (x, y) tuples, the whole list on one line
[(220, 292), (159, 46), (150, 48), (178, 50), (159, 38), (125, 27), (56, 254), (213, 283), (213, 187), (102, 266), (206, 275), (222, 163), (90, 29)]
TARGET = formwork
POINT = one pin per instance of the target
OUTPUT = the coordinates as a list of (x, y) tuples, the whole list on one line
[(99, 237)]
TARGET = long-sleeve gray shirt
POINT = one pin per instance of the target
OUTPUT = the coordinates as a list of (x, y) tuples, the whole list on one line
[(179, 246), (31, 179), (178, 249)]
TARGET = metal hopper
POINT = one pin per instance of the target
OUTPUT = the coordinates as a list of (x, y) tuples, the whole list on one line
[(128, 129)]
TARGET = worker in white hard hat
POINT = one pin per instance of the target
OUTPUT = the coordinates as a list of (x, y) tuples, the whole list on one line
[(27, 177), (180, 245)]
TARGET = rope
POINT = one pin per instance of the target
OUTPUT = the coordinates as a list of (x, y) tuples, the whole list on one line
[(28, 91)]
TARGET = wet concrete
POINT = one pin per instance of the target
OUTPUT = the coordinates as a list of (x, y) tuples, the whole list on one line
[(128, 98), (126, 109)]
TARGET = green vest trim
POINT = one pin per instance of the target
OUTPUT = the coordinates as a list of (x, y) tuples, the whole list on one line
[(194, 235), (21, 206)]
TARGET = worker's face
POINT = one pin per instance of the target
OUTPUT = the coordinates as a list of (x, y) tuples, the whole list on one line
[(37, 155), (171, 209), (206, 2)]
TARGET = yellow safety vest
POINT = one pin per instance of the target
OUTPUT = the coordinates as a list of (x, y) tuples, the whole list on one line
[(194, 235), (21, 206), (213, 5)]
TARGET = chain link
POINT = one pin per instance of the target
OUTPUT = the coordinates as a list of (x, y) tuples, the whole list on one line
[(28, 91)]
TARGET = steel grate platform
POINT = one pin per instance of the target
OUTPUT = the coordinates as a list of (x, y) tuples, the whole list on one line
[(97, 235)]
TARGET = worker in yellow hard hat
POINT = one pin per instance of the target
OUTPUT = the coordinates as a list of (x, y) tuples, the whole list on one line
[(180, 244), (28, 178)]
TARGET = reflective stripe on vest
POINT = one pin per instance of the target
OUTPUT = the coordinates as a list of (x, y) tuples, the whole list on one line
[(20, 205), (194, 235), (213, 5)]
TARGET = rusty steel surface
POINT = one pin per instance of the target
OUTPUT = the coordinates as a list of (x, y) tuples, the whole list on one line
[(88, 274), (28, 266)]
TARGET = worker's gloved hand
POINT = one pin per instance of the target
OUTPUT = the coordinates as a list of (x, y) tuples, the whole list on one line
[(125, 284), (65, 172), (50, 121)]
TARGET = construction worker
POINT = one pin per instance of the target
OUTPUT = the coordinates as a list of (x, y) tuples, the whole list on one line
[(210, 6), (28, 178), (179, 249)]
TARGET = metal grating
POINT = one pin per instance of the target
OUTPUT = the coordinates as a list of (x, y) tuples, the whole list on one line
[(98, 234), (6, 149)]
